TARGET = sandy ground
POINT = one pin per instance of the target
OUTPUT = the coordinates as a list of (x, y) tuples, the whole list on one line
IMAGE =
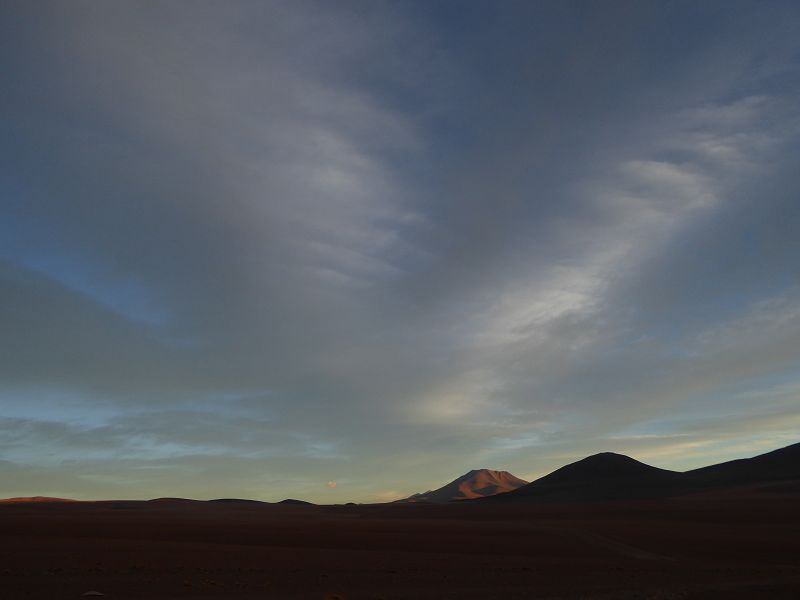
[(734, 545)]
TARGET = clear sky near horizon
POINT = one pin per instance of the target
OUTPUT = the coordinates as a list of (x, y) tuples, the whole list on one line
[(351, 250)]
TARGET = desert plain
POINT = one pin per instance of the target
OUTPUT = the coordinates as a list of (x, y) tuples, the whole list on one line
[(736, 543)]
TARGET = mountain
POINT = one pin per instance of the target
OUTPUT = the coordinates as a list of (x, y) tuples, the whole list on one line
[(778, 465), (479, 483), (38, 499), (610, 476), (603, 476)]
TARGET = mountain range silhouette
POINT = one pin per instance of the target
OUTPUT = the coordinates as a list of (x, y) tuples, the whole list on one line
[(600, 477), (611, 476)]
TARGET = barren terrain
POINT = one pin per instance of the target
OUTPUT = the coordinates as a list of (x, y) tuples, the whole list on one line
[(742, 543)]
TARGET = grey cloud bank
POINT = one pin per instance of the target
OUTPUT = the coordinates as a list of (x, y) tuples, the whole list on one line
[(251, 248)]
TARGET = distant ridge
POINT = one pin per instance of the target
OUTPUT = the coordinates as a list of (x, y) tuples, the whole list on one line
[(236, 501), (167, 500), (478, 483), (37, 499), (298, 502), (778, 465)]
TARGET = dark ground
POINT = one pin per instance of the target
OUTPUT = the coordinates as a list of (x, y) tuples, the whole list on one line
[(736, 544)]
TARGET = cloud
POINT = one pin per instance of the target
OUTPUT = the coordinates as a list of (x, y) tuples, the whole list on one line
[(388, 496), (242, 244)]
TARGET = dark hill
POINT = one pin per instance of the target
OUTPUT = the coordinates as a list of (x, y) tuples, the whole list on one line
[(602, 467), (236, 501), (778, 465), (170, 500), (604, 476)]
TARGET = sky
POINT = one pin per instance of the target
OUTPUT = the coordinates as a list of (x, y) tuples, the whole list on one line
[(348, 251)]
